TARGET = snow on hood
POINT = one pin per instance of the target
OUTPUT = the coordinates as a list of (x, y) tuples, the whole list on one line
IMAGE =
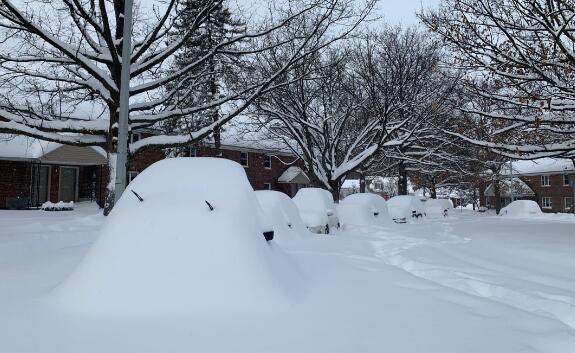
[(171, 255)]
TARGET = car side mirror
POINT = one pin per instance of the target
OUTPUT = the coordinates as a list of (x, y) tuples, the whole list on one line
[(269, 235)]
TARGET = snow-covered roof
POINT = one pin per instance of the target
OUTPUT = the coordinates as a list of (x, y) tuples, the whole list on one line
[(17, 147), (540, 166), (294, 174), (254, 142)]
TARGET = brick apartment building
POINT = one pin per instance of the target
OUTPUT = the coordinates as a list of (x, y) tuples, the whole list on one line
[(548, 181), (33, 171)]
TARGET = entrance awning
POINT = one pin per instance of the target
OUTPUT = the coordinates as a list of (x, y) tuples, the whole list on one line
[(294, 175)]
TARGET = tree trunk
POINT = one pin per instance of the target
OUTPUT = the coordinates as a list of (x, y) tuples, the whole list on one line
[(335, 190), (110, 195), (362, 183), (402, 180), (433, 189), (497, 192)]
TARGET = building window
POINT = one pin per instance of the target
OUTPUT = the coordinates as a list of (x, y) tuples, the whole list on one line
[(546, 202), (565, 180), (131, 175), (244, 159), (545, 180), (267, 186), (267, 161), (568, 204), (135, 137)]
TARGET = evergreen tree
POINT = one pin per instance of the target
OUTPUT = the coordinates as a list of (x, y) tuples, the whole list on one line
[(208, 81)]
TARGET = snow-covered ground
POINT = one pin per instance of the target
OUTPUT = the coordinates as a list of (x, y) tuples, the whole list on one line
[(467, 283)]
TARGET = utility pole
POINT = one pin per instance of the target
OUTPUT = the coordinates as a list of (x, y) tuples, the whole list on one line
[(122, 143), (511, 179)]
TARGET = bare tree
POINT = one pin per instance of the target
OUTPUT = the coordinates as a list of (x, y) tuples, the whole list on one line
[(60, 65), (524, 50), (346, 105)]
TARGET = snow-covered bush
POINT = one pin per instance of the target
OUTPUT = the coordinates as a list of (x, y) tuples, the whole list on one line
[(521, 208), (404, 207), (317, 209), (193, 246), (363, 209), (58, 206)]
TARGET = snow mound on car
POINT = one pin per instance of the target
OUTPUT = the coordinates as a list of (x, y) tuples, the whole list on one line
[(401, 206), (521, 208), (437, 207), (282, 213), (363, 209), (171, 255)]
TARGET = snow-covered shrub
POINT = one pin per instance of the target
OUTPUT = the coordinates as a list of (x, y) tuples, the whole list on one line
[(363, 209), (58, 206), (171, 254)]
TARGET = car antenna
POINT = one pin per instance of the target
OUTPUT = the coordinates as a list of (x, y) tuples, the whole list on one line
[(209, 205), (138, 196)]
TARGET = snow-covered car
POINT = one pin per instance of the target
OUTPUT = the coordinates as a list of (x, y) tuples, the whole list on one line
[(281, 212), (521, 208), (437, 207), (317, 209), (404, 207), (184, 238), (363, 209)]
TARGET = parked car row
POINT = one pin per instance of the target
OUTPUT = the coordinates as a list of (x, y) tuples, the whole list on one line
[(321, 215)]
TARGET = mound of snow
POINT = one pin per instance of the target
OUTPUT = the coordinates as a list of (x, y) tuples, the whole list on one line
[(363, 209), (282, 214), (521, 208), (58, 206), (317, 209), (171, 255), (402, 206)]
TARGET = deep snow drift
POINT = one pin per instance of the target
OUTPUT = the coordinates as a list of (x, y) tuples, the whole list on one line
[(172, 255)]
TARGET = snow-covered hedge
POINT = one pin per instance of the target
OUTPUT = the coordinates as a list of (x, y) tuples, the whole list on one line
[(58, 206)]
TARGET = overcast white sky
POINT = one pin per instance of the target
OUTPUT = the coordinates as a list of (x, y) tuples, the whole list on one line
[(403, 11)]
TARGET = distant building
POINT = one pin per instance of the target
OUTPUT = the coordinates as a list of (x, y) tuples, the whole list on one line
[(548, 181), (33, 172)]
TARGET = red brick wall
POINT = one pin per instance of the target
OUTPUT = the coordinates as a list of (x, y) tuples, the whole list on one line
[(144, 159), (257, 174), (14, 180)]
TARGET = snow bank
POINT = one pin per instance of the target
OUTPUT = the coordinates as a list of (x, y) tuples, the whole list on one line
[(402, 206), (58, 206), (282, 214), (316, 208), (171, 255), (363, 209), (521, 208)]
